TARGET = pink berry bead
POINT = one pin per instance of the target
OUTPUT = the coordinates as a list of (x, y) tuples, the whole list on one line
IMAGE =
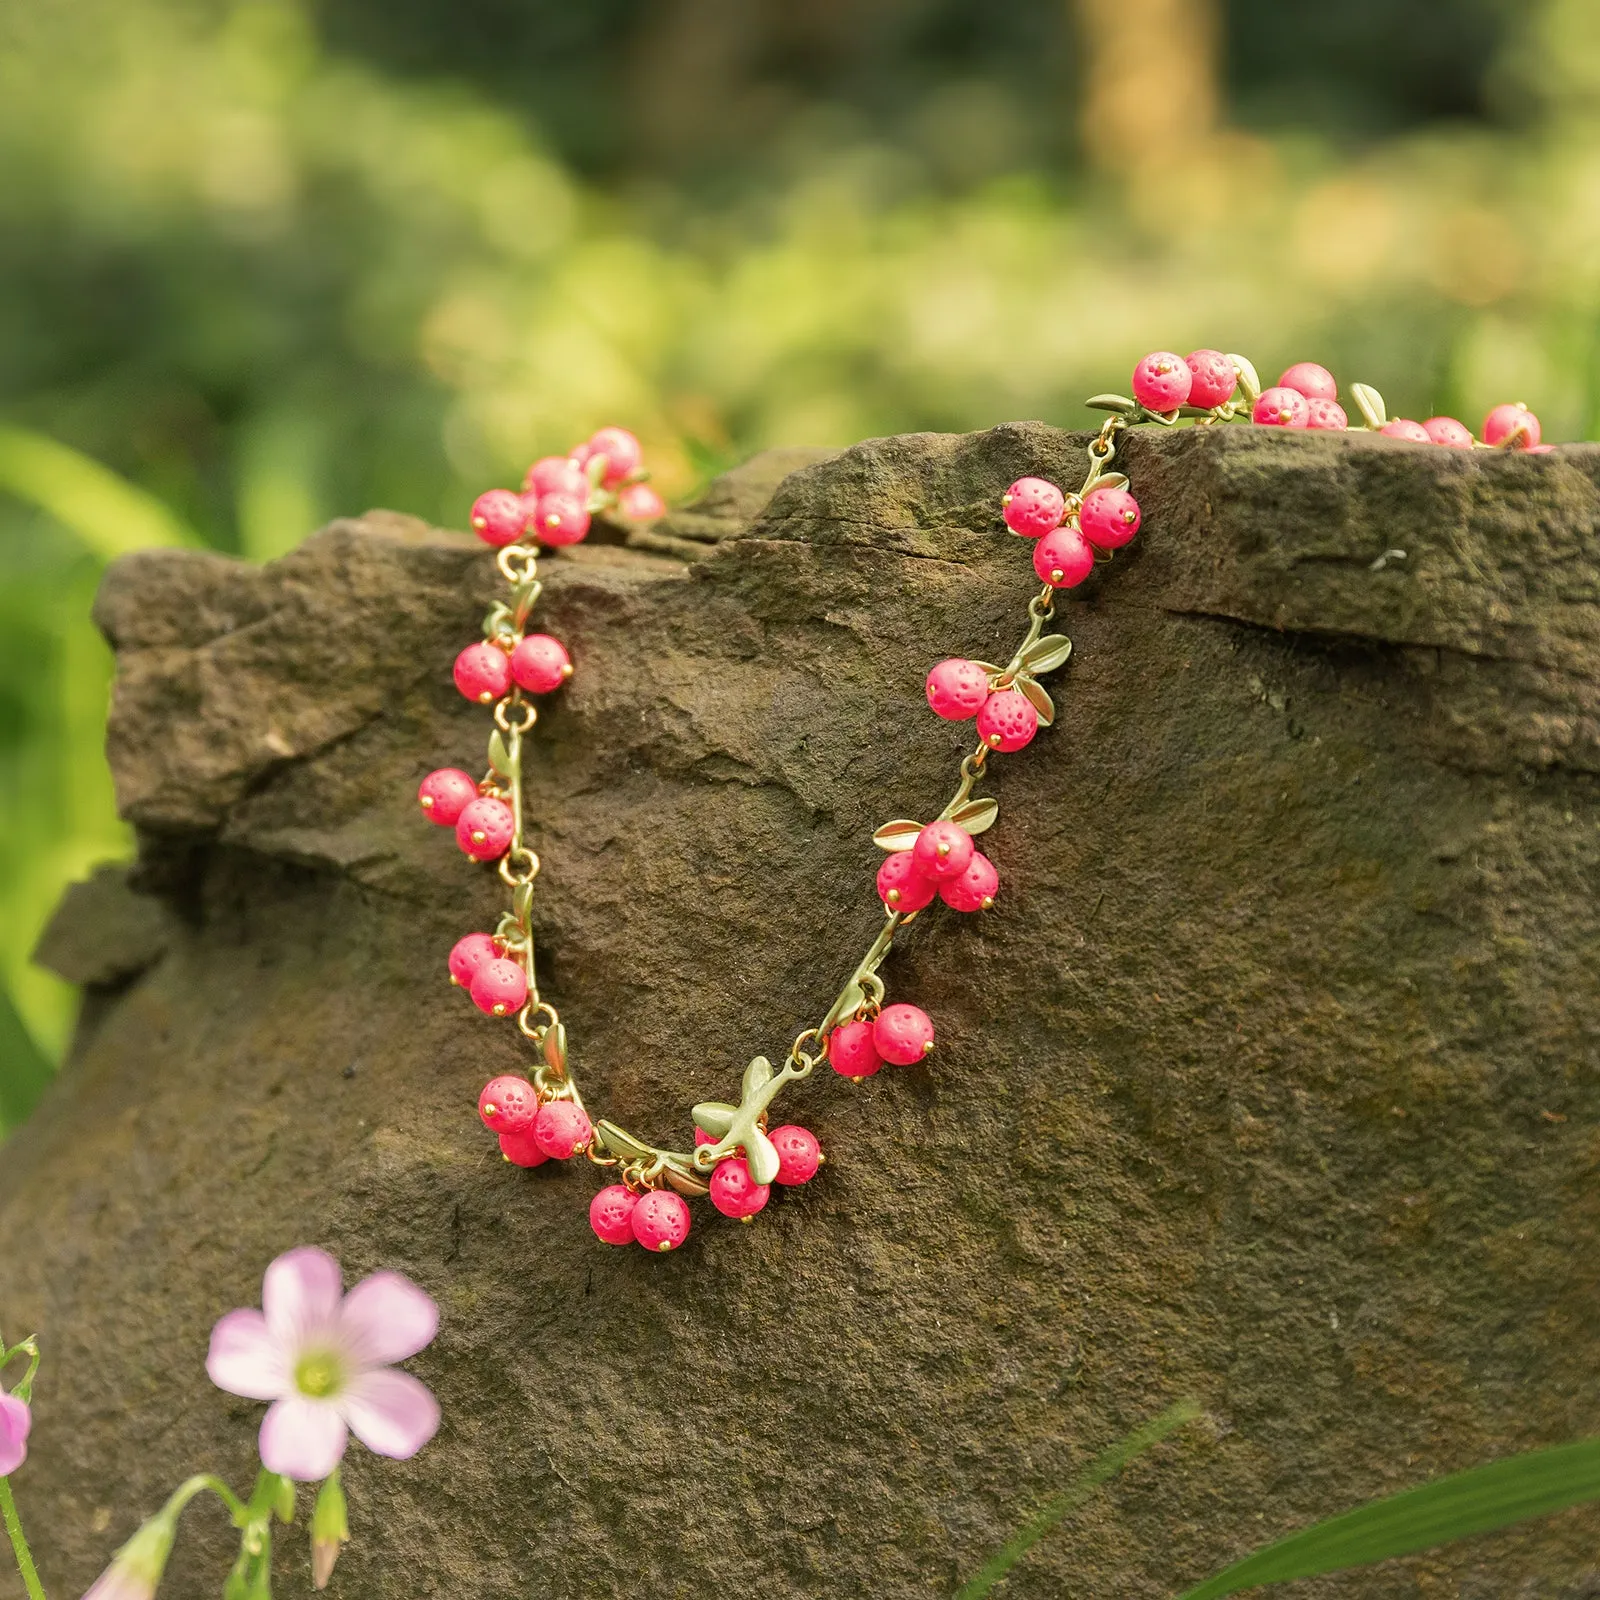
[(499, 517), (499, 987), (640, 503), (1033, 507), (483, 673), (1404, 428), (957, 689), (562, 1128), (942, 850), (851, 1051), (1064, 558), (734, 1192), (520, 1150), (1007, 721), (1446, 430), (1314, 382), (468, 954), (975, 888), (1213, 378), (556, 475), (484, 829), (1281, 408), (445, 794), (903, 1034), (540, 663), (560, 519), (799, 1154), (1328, 415), (611, 1214), (1506, 420), (621, 450), (1162, 381), (661, 1220), (509, 1104), (902, 885), (1109, 518)]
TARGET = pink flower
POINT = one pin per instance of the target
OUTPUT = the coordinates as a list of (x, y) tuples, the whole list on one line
[(15, 1420), (323, 1359)]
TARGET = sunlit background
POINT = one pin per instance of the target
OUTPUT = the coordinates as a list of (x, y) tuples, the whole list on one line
[(266, 262)]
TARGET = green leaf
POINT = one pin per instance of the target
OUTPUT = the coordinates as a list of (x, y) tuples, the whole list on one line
[(110, 515), (1249, 378), (1106, 1465), (499, 756), (1478, 1500), (1039, 698), (1369, 403), (1048, 653), (1119, 403)]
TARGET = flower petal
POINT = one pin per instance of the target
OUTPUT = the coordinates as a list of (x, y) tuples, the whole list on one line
[(246, 1359), (15, 1421), (391, 1413), (302, 1439), (300, 1295), (386, 1318)]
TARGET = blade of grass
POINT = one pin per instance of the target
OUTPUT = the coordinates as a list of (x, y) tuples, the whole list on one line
[(110, 515), (1106, 1465), (1478, 1500)]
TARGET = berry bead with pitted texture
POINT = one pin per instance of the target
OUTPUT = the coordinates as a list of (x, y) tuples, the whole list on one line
[(1213, 378), (562, 1128), (556, 475), (1511, 421), (520, 1150), (483, 673), (902, 886), (1007, 721), (1032, 507), (469, 953), (1328, 415), (942, 850), (1314, 382), (638, 502), (975, 888), (611, 1214), (1405, 428), (509, 1104), (621, 450), (903, 1034), (1109, 518), (957, 688), (661, 1220), (1281, 408), (540, 663), (499, 517), (734, 1192), (851, 1051), (560, 519), (445, 794), (799, 1154), (1446, 430), (1063, 558), (1162, 381), (484, 829), (499, 987)]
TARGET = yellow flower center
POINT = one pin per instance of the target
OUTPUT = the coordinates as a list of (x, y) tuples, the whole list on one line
[(319, 1375)]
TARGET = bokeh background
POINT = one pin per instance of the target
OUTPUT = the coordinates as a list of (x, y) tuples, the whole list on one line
[(267, 261)]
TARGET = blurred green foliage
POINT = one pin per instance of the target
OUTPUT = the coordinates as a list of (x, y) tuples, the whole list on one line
[(267, 260)]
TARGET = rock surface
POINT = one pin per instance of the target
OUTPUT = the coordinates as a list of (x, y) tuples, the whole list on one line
[(1271, 1079)]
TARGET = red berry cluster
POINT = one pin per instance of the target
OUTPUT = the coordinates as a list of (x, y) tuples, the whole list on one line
[(561, 493), (1306, 396), (532, 1128)]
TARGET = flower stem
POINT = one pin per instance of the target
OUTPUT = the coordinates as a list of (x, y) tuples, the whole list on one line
[(190, 1487), (19, 1544)]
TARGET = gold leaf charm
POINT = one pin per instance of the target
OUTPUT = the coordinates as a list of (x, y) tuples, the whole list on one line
[(1039, 699), (898, 835), (976, 816), (1048, 653)]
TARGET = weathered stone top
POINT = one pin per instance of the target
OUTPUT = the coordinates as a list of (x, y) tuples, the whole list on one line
[(1269, 1079)]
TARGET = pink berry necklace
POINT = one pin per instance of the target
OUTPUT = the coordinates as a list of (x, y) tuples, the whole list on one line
[(737, 1157)]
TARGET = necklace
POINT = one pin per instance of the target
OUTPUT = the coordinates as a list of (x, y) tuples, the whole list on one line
[(738, 1157)]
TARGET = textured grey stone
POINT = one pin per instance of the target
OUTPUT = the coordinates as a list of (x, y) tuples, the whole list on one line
[(1271, 1078)]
